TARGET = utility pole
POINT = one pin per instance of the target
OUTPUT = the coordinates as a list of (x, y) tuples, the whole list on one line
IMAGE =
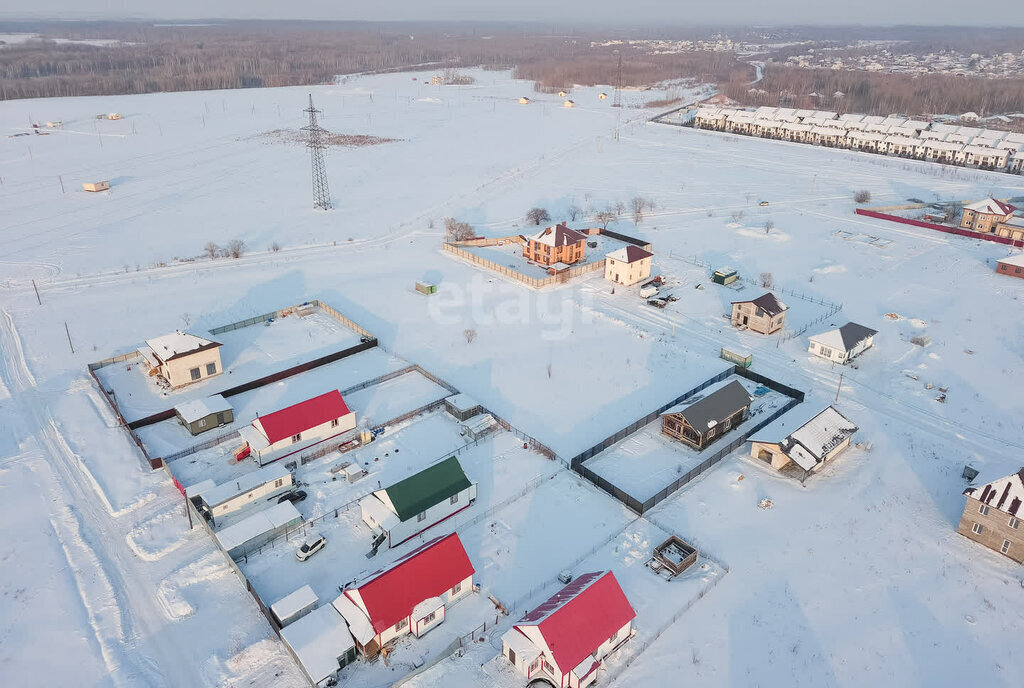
[(40, 301), (618, 83), (316, 145), (68, 332), (840, 386)]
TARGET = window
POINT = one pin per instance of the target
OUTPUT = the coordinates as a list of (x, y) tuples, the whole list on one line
[(825, 351), (977, 528), (454, 498), (422, 516), (211, 368), (220, 418), (296, 437), (711, 432), (278, 483), (547, 667), (533, 666), (429, 617), (202, 422), (512, 655), (1017, 270), (983, 509), (334, 423), (1014, 522), (401, 624), (457, 589), (194, 373), (1005, 549), (614, 636)]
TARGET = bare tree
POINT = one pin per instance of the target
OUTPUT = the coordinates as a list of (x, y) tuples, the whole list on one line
[(211, 249), (275, 247), (537, 215), (952, 213), (573, 212), (470, 335), (862, 196), (737, 215), (605, 217), (769, 225), (457, 231), (619, 207), (235, 248), (766, 280), (639, 204)]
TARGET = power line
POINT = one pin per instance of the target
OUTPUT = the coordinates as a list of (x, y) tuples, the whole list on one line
[(316, 145)]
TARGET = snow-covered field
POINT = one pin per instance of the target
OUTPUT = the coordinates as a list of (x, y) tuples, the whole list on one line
[(855, 578)]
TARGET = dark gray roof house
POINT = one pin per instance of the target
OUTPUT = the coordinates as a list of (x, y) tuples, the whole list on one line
[(698, 422)]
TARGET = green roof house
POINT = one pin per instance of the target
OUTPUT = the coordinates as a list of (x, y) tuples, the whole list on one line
[(411, 506)]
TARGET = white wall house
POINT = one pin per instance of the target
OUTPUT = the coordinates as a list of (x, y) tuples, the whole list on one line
[(410, 596), (842, 344), (234, 494), (181, 358), (806, 443), (628, 265), (409, 507), (296, 428), (565, 640)]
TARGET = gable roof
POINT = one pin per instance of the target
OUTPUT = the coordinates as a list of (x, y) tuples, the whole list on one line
[(808, 444), (427, 571), (629, 254), (191, 411), (1005, 494), (577, 619), (178, 344), (432, 485), (991, 206), (558, 235), (844, 338), (768, 303), (302, 416), (704, 412)]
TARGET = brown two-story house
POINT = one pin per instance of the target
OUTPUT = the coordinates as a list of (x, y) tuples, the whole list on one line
[(993, 515), (765, 314), (985, 215), (557, 244)]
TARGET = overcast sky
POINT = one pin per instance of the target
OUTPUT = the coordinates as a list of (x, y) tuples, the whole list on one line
[(632, 12)]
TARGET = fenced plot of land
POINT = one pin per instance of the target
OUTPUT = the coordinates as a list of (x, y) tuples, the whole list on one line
[(510, 255), (247, 353), (643, 463), (169, 436)]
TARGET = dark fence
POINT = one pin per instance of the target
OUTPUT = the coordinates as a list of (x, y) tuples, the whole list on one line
[(266, 380), (646, 245), (577, 463), (940, 228)]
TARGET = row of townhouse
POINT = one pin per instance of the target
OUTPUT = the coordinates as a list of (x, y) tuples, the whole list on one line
[(897, 136)]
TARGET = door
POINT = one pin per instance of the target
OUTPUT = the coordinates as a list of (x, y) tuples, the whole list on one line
[(745, 320)]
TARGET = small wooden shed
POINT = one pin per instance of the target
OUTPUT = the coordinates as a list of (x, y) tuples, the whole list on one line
[(524, 101), (724, 276), (426, 288), (568, 104), (96, 186), (200, 415)]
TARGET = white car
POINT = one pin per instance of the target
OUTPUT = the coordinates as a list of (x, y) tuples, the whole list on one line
[(313, 543)]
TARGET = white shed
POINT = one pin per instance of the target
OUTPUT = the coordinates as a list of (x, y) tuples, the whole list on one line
[(294, 606), (322, 643)]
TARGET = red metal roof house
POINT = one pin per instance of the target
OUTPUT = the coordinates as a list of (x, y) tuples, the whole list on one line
[(566, 638), (409, 596), (296, 428)]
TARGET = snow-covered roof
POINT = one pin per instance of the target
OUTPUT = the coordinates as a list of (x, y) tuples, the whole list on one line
[(705, 411), (431, 604), (357, 621), (1016, 260), (991, 206), (984, 150), (319, 639), (200, 488), (521, 645), (253, 437), (385, 517), (256, 525), (1004, 494), (768, 303), (808, 444), (629, 254), (462, 402), (558, 235), (244, 483), (945, 146), (844, 338), (178, 344), (294, 602), (302, 416), (191, 411)]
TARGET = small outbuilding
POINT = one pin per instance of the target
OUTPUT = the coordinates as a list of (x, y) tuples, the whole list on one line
[(94, 187), (1011, 265), (563, 94), (701, 420), (200, 415), (724, 276), (524, 101), (294, 606), (243, 537), (627, 265), (322, 643), (568, 104), (765, 314), (181, 358), (411, 506), (805, 443), (674, 556), (232, 495), (602, 96), (426, 288), (462, 406), (739, 357), (843, 344)]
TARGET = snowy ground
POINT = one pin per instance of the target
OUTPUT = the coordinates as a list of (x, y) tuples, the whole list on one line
[(856, 578)]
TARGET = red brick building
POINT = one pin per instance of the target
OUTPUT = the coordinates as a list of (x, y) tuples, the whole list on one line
[(557, 244)]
